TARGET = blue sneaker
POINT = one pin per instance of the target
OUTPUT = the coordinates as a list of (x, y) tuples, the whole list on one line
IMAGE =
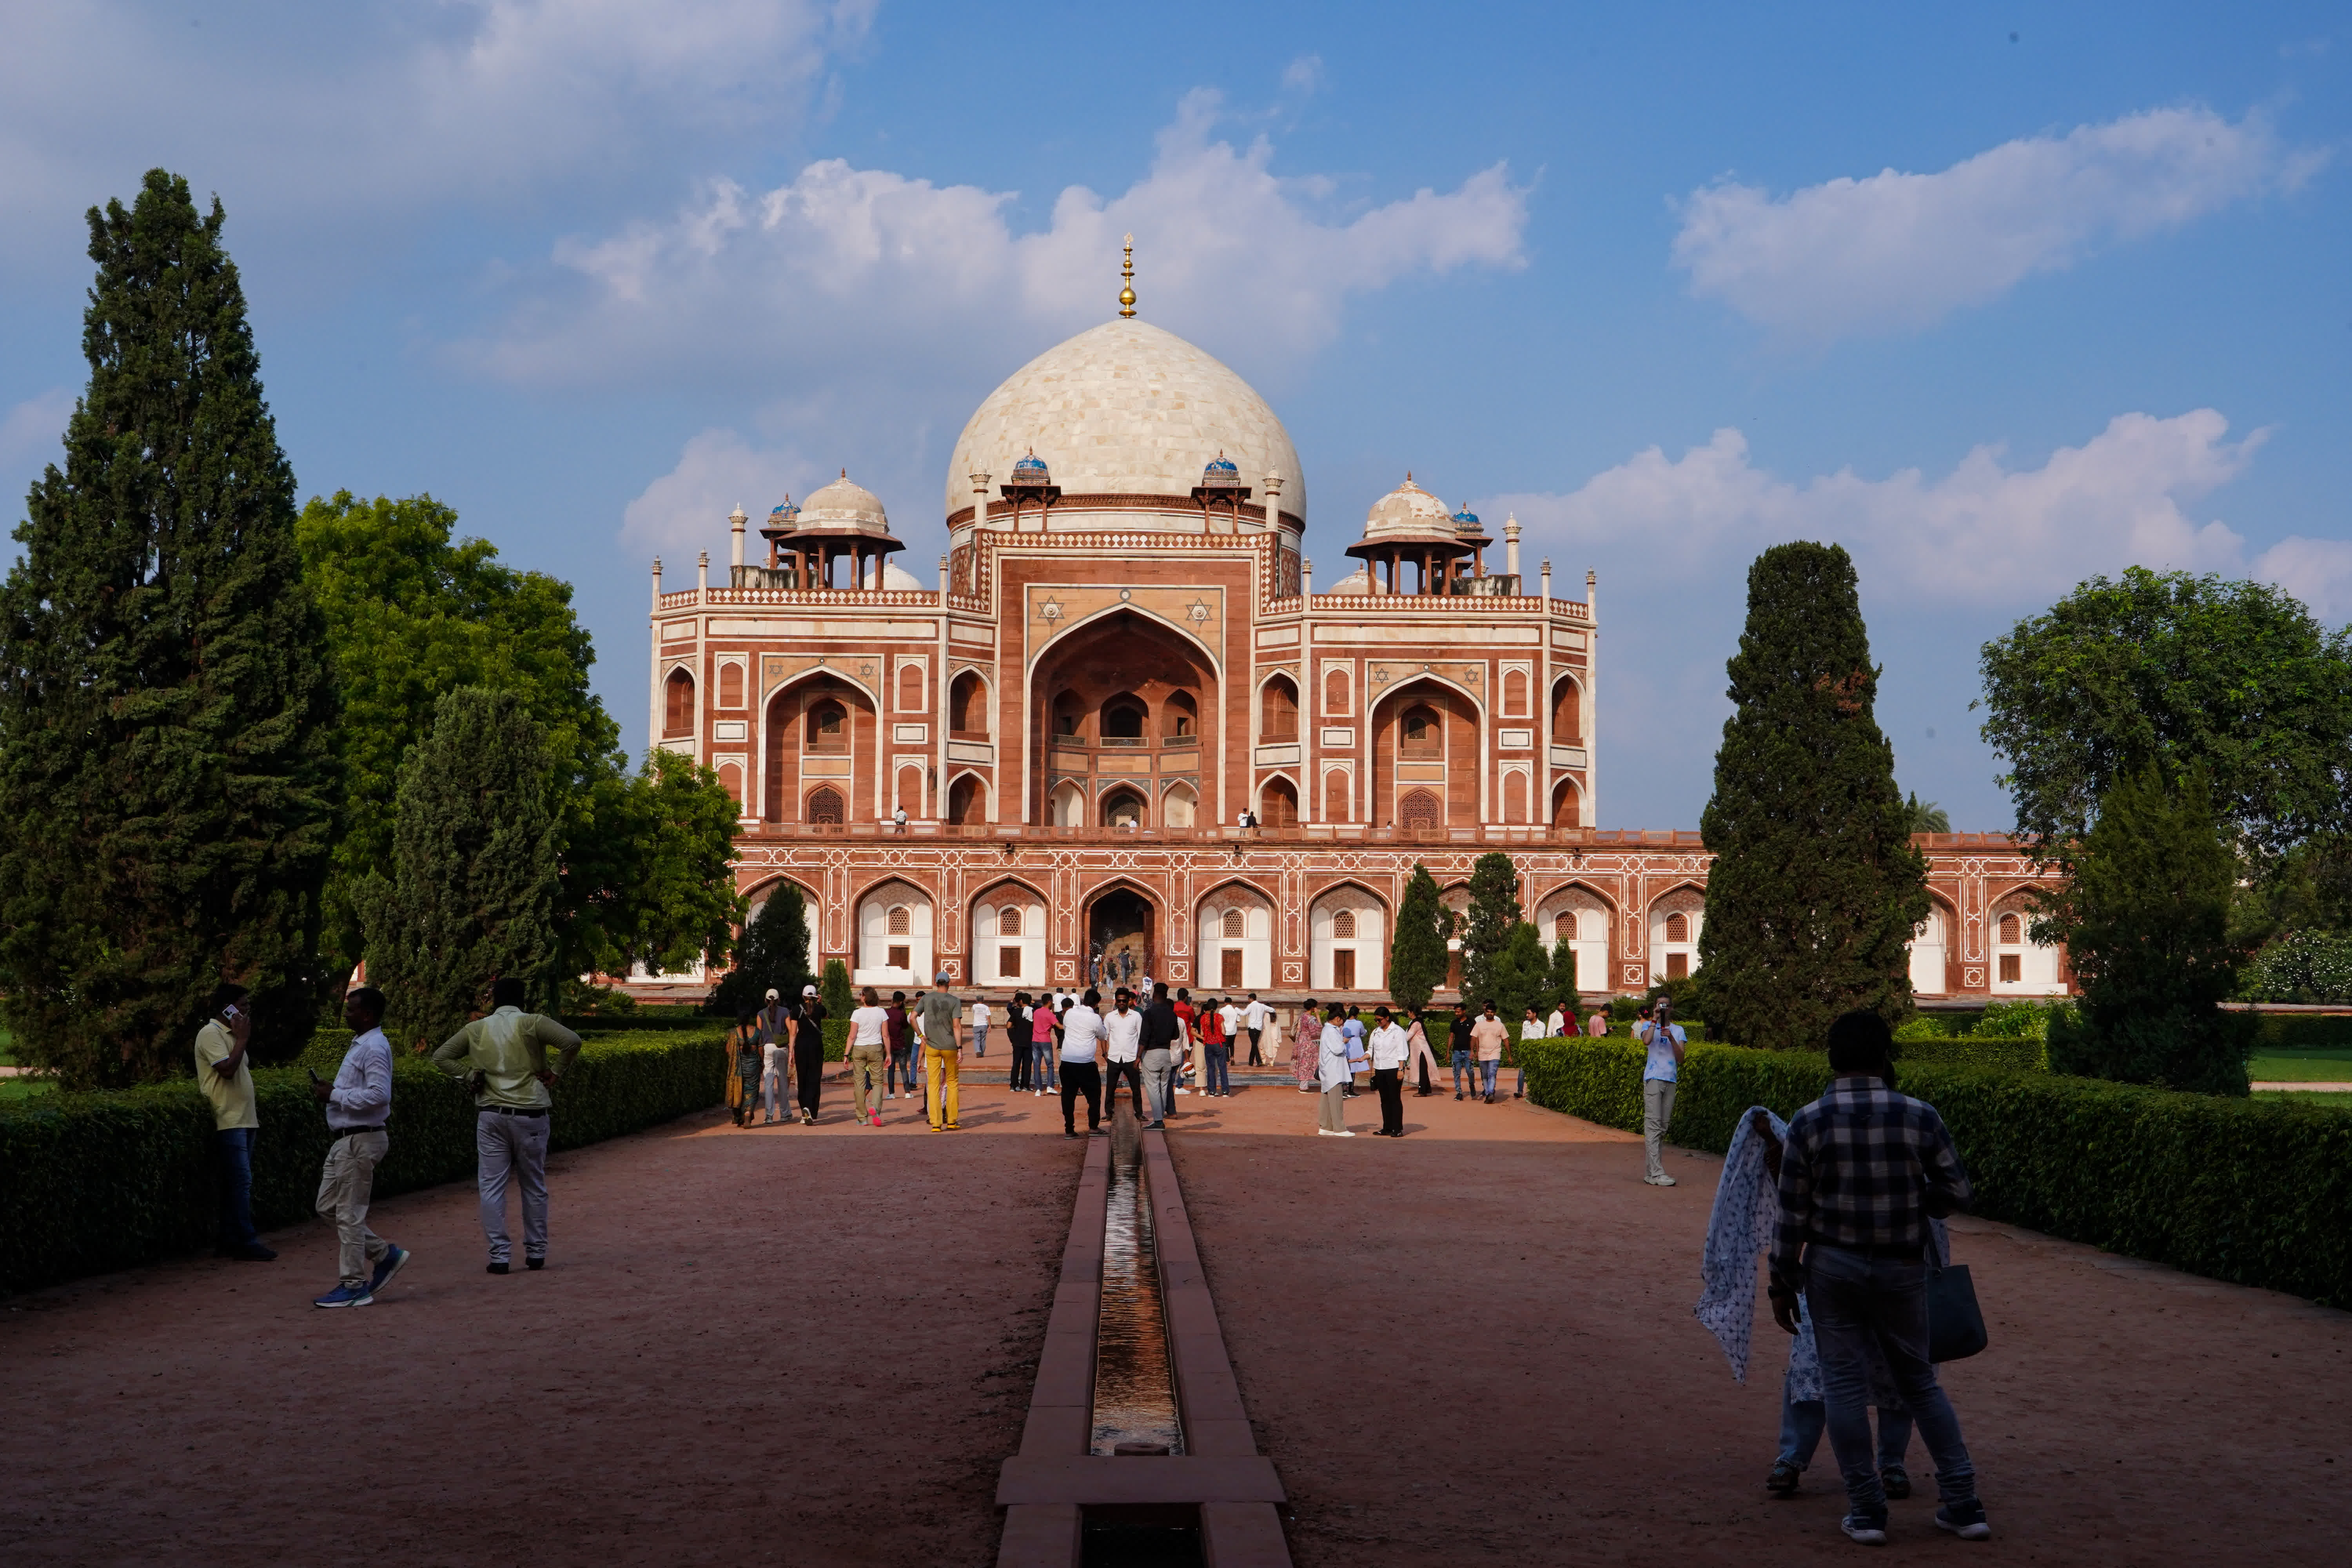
[(393, 1261), (345, 1296)]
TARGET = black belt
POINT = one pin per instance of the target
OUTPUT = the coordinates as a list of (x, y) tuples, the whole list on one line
[(355, 1131), (515, 1111)]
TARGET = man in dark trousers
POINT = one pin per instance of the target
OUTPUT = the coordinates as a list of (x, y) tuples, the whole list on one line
[(1162, 1030), (1863, 1170)]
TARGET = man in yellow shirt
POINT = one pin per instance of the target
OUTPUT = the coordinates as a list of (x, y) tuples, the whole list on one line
[(227, 1081), (504, 1055)]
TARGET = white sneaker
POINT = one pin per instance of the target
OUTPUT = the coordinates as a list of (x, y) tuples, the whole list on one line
[(1343, 1135), (1659, 1181)]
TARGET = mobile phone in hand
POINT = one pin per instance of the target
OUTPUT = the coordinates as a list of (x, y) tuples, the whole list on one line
[(315, 1079)]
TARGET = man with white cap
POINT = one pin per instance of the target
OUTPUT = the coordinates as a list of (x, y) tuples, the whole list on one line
[(941, 1056), (775, 1061)]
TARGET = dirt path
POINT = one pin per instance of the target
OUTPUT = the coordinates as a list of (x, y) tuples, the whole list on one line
[(785, 1344), (1475, 1344)]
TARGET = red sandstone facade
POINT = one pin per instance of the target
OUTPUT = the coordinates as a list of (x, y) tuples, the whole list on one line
[(1121, 665)]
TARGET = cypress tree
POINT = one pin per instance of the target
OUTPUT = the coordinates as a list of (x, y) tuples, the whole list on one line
[(1494, 912), (1564, 988), (773, 953), (168, 791), (834, 989), (2145, 923), (1815, 889), (1520, 976), (473, 894), (1417, 958)]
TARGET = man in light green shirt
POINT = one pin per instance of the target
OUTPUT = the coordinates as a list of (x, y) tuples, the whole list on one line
[(505, 1055)]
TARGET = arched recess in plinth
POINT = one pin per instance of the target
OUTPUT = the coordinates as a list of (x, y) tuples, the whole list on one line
[(1931, 948), (1347, 940), (812, 910), (1236, 923), (1008, 923), (1121, 922), (1674, 947), (1587, 919)]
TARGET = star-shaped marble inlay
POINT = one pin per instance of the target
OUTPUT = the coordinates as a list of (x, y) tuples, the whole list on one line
[(1198, 610), (1051, 609), (866, 669)]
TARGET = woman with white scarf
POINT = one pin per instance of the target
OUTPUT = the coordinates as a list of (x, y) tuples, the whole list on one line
[(1747, 1209), (1334, 1076)]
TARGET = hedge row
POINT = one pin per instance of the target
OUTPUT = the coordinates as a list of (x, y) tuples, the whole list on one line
[(93, 1182), (2252, 1192)]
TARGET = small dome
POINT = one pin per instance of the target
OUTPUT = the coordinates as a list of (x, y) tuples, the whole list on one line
[(783, 519), (1032, 470), (894, 576), (1467, 520), (843, 507), (1409, 511), (1359, 580), (1221, 470)]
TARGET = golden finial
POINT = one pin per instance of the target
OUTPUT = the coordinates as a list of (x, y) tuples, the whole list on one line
[(1127, 272)]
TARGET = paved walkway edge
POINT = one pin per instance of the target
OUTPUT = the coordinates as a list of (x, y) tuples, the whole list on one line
[(1045, 1488)]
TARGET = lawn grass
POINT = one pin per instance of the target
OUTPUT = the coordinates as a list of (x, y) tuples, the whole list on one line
[(2307, 1096), (2330, 1064), (24, 1088)]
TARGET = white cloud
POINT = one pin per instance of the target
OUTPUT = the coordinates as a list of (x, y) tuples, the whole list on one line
[(357, 110), (1984, 533), (685, 509), (1303, 75), (2316, 570), (843, 266), (1897, 250)]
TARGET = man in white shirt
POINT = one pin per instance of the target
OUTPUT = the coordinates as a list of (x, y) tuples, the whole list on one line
[(1332, 1071), (1533, 1027), (357, 1103), (1081, 1062), (1388, 1045), (1123, 1055), (1665, 1041), (1254, 1017), (980, 1018), (869, 1044)]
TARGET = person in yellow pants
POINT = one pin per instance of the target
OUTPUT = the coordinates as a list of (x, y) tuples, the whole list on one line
[(940, 1013)]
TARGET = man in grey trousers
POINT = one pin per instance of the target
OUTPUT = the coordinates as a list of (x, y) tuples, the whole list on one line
[(504, 1057), (1163, 1037)]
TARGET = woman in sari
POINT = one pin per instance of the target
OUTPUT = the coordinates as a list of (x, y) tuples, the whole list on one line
[(744, 1067)]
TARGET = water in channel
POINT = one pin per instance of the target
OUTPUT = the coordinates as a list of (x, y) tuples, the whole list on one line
[(1135, 1393)]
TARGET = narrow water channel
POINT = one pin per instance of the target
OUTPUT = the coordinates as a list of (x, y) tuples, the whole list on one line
[(1135, 1393)]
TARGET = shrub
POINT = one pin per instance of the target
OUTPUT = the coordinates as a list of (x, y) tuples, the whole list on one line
[(91, 1182), (2302, 966), (2252, 1192)]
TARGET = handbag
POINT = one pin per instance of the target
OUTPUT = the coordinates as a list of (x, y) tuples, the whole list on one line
[(1956, 1328)]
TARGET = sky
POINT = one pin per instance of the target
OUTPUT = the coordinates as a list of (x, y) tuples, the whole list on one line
[(1998, 296)]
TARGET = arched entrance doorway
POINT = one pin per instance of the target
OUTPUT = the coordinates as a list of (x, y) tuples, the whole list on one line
[(1120, 945)]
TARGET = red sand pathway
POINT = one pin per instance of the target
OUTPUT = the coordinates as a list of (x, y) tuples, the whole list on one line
[(1474, 1344)]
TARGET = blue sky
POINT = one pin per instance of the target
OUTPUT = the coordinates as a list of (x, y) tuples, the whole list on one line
[(1997, 296)]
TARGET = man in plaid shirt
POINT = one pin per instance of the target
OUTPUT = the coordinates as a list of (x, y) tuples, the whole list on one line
[(1863, 1171)]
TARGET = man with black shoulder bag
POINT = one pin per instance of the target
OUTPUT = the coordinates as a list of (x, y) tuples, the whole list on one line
[(1863, 1171)]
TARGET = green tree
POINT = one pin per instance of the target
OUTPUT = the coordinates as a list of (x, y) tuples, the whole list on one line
[(1564, 984), (416, 612), (834, 989), (2174, 671), (2144, 919), (1494, 911), (1926, 816), (773, 953), (1520, 975), (1417, 954), (1815, 888), (413, 613), (647, 874), (167, 784), (473, 896)]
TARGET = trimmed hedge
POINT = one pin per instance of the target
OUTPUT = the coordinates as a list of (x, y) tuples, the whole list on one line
[(93, 1182), (2251, 1192)]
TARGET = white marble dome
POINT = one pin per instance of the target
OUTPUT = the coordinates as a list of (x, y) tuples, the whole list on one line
[(1125, 408), (843, 507), (1407, 512)]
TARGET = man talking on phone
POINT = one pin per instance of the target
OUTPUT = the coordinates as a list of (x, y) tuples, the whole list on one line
[(227, 1082), (505, 1055)]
